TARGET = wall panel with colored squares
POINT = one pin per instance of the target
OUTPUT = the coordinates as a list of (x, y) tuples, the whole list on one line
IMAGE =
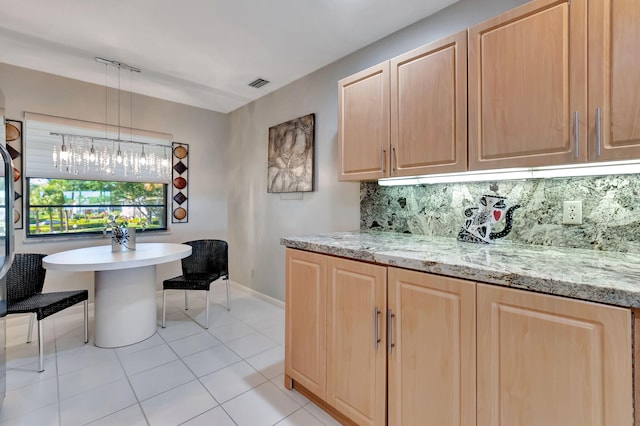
[(14, 146), (180, 183)]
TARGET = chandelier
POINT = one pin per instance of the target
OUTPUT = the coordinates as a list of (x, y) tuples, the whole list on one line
[(78, 154)]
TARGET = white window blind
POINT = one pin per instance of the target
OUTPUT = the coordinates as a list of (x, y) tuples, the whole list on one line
[(40, 145)]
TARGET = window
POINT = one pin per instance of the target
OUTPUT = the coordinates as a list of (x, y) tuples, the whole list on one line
[(98, 177), (66, 206)]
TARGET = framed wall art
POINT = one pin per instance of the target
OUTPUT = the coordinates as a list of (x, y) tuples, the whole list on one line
[(180, 183), (291, 158), (14, 146)]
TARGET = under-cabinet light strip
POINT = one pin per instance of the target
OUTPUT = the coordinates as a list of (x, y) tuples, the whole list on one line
[(593, 169)]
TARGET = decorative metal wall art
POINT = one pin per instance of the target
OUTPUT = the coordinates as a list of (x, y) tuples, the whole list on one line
[(290, 159), (180, 183), (14, 146)]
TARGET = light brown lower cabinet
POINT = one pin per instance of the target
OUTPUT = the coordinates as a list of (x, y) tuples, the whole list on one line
[(551, 361), (334, 340), (356, 356), (431, 358), (377, 345), (305, 320)]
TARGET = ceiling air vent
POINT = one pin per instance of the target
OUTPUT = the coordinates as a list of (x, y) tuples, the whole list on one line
[(258, 83)]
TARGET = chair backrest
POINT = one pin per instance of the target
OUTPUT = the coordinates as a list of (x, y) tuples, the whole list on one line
[(25, 277), (207, 257)]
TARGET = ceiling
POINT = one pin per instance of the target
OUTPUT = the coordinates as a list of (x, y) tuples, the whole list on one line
[(202, 53)]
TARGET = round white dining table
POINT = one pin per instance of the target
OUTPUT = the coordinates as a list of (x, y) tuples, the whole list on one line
[(125, 287)]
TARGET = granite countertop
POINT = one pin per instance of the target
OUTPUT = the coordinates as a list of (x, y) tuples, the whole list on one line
[(598, 276)]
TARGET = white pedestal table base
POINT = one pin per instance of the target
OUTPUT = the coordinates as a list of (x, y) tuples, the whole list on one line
[(125, 306)]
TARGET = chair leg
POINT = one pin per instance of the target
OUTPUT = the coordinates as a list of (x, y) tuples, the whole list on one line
[(86, 321), (41, 346), (164, 301), (228, 305), (186, 301), (30, 332), (206, 313)]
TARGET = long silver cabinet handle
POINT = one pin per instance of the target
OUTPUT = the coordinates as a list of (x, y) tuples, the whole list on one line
[(576, 120), (598, 134), (394, 156), (384, 154), (390, 343), (376, 337)]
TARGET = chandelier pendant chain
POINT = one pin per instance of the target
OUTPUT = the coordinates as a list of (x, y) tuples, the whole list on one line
[(106, 101), (118, 106), (93, 154)]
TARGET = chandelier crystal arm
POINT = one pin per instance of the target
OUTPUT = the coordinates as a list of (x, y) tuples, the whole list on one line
[(101, 139), (79, 154)]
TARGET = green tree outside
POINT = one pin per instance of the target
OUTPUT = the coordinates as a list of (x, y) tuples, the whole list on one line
[(61, 206)]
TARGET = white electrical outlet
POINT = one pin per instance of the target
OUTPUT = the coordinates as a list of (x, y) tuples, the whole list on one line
[(572, 213)]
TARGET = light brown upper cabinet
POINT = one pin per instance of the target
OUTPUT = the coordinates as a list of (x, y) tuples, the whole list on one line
[(407, 116), (363, 124), (614, 79), (550, 82), (527, 86), (429, 108)]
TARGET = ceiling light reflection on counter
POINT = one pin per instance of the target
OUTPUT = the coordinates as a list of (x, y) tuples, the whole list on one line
[(587, 169)]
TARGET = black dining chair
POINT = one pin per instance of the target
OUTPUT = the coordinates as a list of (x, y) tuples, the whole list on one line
[(25, 281), (209, 261)]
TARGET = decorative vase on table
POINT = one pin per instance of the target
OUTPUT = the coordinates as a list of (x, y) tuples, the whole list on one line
[(123, 239), (123, 236)]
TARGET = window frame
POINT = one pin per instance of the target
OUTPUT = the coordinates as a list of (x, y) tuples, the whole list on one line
[(110, 207)]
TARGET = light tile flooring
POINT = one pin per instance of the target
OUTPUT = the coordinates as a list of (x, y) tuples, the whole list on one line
[(230, 374)]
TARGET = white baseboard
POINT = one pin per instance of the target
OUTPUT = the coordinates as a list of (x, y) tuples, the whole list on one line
[(268, 299)]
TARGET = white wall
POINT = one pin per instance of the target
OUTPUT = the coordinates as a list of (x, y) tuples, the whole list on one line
[(205, 131), (228, 154), (258, 220)]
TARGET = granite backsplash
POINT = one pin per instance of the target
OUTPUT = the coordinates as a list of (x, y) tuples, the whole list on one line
[(610, 208)]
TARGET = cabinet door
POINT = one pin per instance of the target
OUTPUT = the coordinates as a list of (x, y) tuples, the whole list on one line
[(305, 320), (614, 79), (527, 86), (356, 355), (363, 124), (432, 365), (549, 361), (429, 108)]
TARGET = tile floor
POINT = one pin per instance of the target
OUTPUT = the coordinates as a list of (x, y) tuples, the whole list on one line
[(230, 374)]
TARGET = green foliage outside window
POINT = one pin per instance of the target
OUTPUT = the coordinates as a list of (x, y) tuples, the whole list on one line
[(65, 206)]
